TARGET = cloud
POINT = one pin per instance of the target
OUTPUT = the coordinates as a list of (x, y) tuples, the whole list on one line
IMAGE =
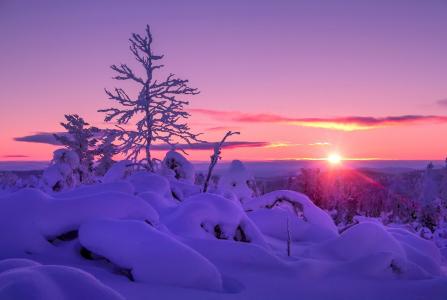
[(233, 145), (221, 128), (15, 156), (349, 123), (442, 102), (40, 137), (210, 146), (48, 138)]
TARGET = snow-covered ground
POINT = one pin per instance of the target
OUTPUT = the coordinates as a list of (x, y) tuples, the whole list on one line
[(139, 235)]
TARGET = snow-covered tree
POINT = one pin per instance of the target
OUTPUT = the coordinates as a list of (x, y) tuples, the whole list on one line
[(159, 114), (81, 139), (106, 150)]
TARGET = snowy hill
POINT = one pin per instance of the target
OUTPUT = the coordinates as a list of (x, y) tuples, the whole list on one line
[(140, 235)]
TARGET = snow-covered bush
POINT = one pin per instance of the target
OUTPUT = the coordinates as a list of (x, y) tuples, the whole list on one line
[(150, 255), (63, 172), (176, 165), (81, 140), (238, 180), (307, 221), (24, 280), (210, 216)]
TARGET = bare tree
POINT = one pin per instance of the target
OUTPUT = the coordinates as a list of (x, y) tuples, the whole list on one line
[(161, 115), (215, 158)]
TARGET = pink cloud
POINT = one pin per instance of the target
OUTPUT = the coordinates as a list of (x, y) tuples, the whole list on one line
[(349, 123)]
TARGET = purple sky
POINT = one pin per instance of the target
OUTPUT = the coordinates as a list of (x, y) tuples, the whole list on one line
[(297, 59)]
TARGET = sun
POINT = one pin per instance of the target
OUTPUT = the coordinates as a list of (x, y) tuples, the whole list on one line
[(334, 159)]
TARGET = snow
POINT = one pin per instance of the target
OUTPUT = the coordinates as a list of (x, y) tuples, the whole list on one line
[(358, 241), (118, 171), (178, 166), (151, 255), (238, 180), (37, 217), (139, 235), (35, 281), (211, 216), (307, 222), (149, 182), (279, 223), (119, 186), (61, 174)]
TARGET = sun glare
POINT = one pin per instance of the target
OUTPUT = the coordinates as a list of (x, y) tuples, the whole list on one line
[(334, 159)]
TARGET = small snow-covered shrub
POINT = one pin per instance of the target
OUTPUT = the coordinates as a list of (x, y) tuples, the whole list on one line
[(307, 221), (238, 180), (211, 216), (178, 166), (35, 281), (63, 172), (150, 255), (82, 140)]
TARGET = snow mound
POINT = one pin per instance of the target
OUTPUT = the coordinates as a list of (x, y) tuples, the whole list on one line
[(178, 166), (380, 265), (358, 241), (239, 181), (182, 189), (158, 202), (37, 218), (369, 249), (149, 182), (211, 216), (311, 219), (420, 251), (12, 263), (118, 171), (52, 282), (150, 255), (279, 223), (88, 190)]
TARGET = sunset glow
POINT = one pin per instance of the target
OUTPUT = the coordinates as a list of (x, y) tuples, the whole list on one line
[(334, 159), (374, 97)]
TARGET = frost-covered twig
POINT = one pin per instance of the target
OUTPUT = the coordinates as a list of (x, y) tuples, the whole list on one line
[(215, 158)]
